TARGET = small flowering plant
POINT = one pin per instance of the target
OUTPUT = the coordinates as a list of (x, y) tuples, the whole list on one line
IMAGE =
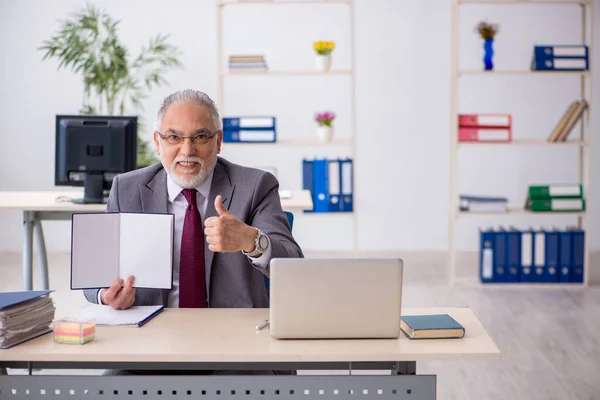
[(324, 118), (323, 48), (487, 30)]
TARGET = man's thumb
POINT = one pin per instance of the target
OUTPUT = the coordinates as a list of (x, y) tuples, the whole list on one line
[(219, 206)]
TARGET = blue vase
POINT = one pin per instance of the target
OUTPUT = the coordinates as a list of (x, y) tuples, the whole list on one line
[(488, 54)]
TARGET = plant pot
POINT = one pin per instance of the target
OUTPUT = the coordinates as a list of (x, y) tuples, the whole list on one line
[(488, 54), (325, 133), (323, 62)]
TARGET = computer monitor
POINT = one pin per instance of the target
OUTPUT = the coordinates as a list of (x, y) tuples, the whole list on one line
[(91, 150)]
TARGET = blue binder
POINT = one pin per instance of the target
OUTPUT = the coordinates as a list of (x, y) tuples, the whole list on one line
[(320, 185), (500, 259), (334, 181), (527, 255), (578, 254), (560, 57), (308, 180), (552, 260), (9, 299), (250, 122), (249, 135), (347, 184), (513, 255), (539, 255), (486, 255), (565, 255)]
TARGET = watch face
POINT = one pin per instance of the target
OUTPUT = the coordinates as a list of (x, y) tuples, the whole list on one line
[(263, 242)]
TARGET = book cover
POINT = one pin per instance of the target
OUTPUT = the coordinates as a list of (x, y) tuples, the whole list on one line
[(437, 326)]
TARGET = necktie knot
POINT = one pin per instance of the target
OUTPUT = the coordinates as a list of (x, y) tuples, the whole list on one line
[(190, 196)]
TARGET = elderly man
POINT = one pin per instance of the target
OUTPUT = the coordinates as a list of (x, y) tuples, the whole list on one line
[(228, 218)]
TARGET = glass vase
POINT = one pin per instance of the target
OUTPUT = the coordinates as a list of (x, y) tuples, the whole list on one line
[(488, 54)]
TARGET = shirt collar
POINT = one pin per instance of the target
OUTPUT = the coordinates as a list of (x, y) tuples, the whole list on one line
[(174, 189)]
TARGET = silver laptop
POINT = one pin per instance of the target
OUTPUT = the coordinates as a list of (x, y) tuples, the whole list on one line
[(335, 298)]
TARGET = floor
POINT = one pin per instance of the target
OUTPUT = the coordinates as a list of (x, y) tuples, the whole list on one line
[(548, 337)]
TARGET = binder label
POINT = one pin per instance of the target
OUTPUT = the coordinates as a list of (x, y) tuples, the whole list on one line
[(488, 256)]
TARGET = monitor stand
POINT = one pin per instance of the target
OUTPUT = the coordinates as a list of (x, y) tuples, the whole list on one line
[(93, 189)]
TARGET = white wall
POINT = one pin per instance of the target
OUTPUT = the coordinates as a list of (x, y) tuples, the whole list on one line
[(402, 112)]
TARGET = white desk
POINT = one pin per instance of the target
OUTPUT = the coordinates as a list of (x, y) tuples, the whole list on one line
[(39, 206), (196, 339)]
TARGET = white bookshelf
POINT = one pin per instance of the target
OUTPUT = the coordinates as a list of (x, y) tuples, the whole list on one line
[(582, 142), (304, 145)]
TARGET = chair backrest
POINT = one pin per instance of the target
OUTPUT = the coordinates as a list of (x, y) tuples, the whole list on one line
[(290, 217)]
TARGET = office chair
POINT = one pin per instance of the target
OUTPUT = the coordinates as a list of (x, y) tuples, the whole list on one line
[(290, 217)]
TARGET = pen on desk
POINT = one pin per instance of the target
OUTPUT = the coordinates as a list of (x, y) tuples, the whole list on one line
[(262, 324)]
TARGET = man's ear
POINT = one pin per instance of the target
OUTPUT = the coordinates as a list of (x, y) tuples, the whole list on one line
[(156, 142), (219, 141)]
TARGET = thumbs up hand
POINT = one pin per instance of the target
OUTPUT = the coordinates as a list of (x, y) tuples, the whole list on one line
[(226, 233)]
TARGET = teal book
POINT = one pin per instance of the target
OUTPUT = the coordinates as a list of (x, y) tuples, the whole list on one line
[(438, 326)]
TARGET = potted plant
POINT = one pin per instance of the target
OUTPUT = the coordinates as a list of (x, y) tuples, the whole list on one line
[(323, 50), (324, 126), (487, 32), (115, 82)]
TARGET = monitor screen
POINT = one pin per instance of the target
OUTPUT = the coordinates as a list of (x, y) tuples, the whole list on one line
[(91, 150)]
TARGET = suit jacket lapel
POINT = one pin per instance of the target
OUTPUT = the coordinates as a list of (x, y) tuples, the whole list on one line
[(221, 185), (153, 195)]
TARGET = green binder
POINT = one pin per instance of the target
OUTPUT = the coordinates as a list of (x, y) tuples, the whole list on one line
[(556, 204), (557, 191)]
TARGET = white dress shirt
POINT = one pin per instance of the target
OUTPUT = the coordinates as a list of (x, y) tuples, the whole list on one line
[(177, 205)]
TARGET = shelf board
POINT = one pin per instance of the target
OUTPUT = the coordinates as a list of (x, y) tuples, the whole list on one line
[(293, 142), (574, 2), (287, 73), (521, 72), (526, 142), (474, 283), (521, 211), (236, 2)]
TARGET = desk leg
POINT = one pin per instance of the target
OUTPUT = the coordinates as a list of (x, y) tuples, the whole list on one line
[(42, 256), (28, 250)]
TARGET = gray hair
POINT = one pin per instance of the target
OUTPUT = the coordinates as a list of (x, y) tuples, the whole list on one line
[(189, 96)]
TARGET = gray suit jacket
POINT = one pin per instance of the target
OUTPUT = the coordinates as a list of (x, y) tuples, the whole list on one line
[(250, 194)]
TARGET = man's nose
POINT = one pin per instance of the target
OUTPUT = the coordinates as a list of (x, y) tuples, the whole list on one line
[(187, 148)]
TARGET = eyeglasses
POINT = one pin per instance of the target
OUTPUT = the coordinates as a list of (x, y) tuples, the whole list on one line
[(198, 139)]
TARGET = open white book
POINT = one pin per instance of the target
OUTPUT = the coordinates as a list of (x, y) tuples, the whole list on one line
[(109, 246)]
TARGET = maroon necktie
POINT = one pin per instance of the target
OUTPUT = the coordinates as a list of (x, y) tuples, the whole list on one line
[(192, 278)]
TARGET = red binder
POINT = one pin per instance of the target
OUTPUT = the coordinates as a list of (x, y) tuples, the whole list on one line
[(484, 135), (485, 120)]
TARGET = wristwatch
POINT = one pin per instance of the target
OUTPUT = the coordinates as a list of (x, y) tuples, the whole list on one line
[(260, 245)]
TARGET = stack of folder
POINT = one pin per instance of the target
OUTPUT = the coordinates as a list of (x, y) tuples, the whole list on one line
[(247, 63), (24, 316), (249, 129), (560, 58), (485, 128), (555, 197), (330, 182), (567, 122), (483, 203), (509, 255)]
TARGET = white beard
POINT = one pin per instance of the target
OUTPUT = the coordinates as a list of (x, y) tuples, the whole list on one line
[(189, 180)]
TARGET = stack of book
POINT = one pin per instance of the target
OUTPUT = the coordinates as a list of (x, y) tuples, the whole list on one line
[(556, 197), (484, 128), (483, 203), (532, 255), (250, 129), (247, 63), (567, 122), (560, 58), (24, 316)]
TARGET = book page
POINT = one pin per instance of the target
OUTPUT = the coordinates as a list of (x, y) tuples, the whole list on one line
[(106, 315), (94, 250), (147, 249)]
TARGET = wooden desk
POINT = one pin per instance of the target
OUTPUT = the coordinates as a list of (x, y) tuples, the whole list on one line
[(55, 205), (227, 339)]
